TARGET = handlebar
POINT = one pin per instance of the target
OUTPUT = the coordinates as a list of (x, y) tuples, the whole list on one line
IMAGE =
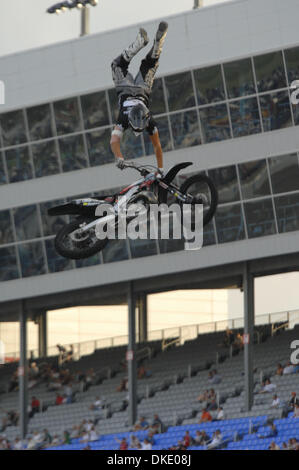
[(142, 168)]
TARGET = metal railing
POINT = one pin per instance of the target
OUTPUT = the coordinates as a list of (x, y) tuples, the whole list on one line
[(180, 334)]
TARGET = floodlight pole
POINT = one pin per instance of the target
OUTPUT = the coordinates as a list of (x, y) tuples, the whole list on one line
[(85, 21), (197, 4), (131, 356), (22, 372), (248, 292)]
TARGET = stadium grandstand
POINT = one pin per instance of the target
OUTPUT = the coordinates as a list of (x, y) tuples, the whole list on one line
[(222, 100)]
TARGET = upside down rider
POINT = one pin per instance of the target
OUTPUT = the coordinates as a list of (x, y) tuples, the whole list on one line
[(134, 93)]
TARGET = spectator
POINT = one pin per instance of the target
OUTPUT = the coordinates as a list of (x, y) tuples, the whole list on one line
[(47, 438), (229, 338), (146, 445), (238, 343), (18, 444), (296, 411), (279, 370), (134, 442), (215, 377), (267, 387), (276, 403), (216, 440), (274, 446), (123, 445), (290, 406), (93, 435), (36, 441), (271, 433), (123, 385), (59, 399), (203, 397), (35, 406), (96, 405), (289, 369), (157, 425), (187, 439), (70, 353), (56, 441), (205, 416), (66, 438), (141, 425), (220, 414)]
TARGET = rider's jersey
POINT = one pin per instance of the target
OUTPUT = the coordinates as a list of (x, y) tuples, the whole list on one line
[(126, 102)]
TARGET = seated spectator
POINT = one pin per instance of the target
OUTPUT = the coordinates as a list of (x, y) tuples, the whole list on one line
[(84, 437), (228, 338), (123, 445), (203, 397), (36, 441), (220, 414), (279, 370), (146, 445), (59, 399), (18, 444), (56, 441), (141, 425), (267, 387), (271, 433), (35, 406), (296, 411), (123, 385), (157, 425), (198, 438), (75, 432), (238, 343), (289, 369), (4, 442), (70, 354), (216, 440), (205, 416), (134, 442), (143, 372), (214, 377), (150, 436), (212, 404), (276, 403), (12, 418), (47, 438), (290, 406), (187, 439), (96, 405), (93, 436), (274, 446)]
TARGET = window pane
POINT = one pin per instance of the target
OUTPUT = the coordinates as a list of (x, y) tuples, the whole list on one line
[(116, 250), (91, 261), (13, 128), (292, 63), (296, 113), (245, 117), (209, 234), (226, 182), (94, 109), (260, 218), (32, 259), (185, 129), (179, 90), (229, 223), (269, 70), (2, 172), (209, 85), (98, 144), (254, 179), (72, 153), (6, 232), (52, 224), (56, 262), (113, 104), (40, 122), (276, 113), (132, 145), (8, 264), (284, 171), (18, 164), (27, 223), (239, 78), (287, 212), (168, 246), (141, 248), (157, 101), (215, 123), (164, 133), (67, 116), (45, 159)]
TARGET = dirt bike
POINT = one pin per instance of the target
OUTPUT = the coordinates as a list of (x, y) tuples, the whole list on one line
[(78, 239)]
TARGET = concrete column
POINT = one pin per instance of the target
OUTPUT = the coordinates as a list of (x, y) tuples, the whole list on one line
[(131, 356), (23, 373), (42, 334), (248, 289), (142, 318)]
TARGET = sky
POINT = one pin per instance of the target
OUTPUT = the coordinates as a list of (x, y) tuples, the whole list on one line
[(24, 24)]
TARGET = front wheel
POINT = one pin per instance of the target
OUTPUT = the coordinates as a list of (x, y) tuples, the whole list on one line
[(203, 190), (71, 244)]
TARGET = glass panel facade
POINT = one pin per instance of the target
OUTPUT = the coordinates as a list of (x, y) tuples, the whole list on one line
[(215, 123), (254, 179), (226, 182), (18, 164), (132, 145), (260, 218), (116, 250), (209, 85), (72, 152), (185, 129), (56, 262), (229, 223), (67, 116), (94, 109), (40, 122), (8, 264), (164, 134), (209, 234), (6, 231), (13, 128), (51, 224), (284, 171), (287, 212), (179, 91), (269, 69), (141, 248), (276, 111), (239, 78), (27, 223), (98, 144), (245, 117), (3, 179), (292, 64), (45, 159), (32, 259), (157, 101)]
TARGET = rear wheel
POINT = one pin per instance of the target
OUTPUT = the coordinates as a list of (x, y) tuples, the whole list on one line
[(76, 245), (203, 190)]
